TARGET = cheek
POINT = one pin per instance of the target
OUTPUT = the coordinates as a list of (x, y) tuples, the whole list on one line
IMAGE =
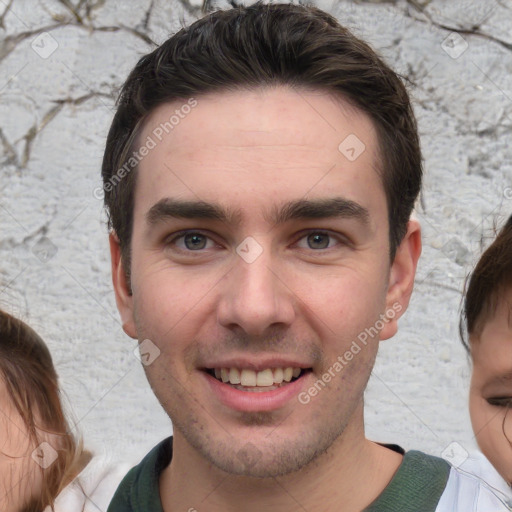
[(165, 302), (20, 480), (349, 284), (36, 481), (350, 304), (493, 431), (20, 476), (486, 420), (171, 320)]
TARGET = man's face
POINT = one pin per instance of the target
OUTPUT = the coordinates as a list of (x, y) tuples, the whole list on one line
[(261, 248), (491, 389)]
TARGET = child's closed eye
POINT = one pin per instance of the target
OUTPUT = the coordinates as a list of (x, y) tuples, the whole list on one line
[(500, 401)]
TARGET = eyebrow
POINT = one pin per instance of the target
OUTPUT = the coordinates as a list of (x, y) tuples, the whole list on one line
[(336, 207), (173, 208), (504, 378), (320, 209)]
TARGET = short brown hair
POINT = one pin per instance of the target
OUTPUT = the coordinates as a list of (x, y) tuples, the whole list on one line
[(27, 371), (262, 45), (490, 279)]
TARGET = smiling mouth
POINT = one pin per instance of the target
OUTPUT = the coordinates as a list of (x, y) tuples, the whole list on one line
[(257, 381)]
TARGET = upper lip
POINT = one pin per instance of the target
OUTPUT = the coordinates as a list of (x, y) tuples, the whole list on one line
[(256, 364)]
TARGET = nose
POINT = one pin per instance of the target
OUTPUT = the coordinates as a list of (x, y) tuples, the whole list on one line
[(255, 298)]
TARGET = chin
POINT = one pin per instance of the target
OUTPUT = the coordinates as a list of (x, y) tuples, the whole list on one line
[(265, 458), (251, 463)]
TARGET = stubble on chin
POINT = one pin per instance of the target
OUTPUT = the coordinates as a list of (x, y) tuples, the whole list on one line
[(270, 457)]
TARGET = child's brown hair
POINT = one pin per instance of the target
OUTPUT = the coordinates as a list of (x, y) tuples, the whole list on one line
[(491, 277), (31, 382)]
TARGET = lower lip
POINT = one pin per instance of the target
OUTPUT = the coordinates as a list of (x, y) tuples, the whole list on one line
[(256, 401)]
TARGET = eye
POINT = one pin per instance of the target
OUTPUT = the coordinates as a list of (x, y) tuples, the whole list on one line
[(317, 240), (500, 401), (192, 241)]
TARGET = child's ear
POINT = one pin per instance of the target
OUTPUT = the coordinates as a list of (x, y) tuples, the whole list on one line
[(401, 278), (124, 298)]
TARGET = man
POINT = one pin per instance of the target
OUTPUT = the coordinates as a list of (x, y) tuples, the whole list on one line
[(259, 174)]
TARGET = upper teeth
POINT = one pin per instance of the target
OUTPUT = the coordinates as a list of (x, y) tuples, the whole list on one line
[(251, 378)]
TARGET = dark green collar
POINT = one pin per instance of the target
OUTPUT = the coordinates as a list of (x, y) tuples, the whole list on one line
[(417, 485)]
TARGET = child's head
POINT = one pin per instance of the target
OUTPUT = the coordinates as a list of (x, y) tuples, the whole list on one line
[(488, 316), (30, 414)]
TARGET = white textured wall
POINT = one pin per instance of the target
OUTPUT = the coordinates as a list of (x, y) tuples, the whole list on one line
[(55, 111)]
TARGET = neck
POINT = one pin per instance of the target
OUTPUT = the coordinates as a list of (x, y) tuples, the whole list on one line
[(352, 472)]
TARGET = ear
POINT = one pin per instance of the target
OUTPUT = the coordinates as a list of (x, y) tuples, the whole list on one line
[(124, 298), (401, 278)]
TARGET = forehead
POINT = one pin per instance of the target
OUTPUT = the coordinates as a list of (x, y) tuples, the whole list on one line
[(280, 143), (491, 350)]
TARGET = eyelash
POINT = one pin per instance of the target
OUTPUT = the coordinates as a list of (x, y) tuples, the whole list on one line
[(500, 401)]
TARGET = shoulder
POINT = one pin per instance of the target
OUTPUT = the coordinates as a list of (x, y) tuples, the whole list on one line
[(477, 464), (430, 484), (93, 487), (138, 491), (475, 486)]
